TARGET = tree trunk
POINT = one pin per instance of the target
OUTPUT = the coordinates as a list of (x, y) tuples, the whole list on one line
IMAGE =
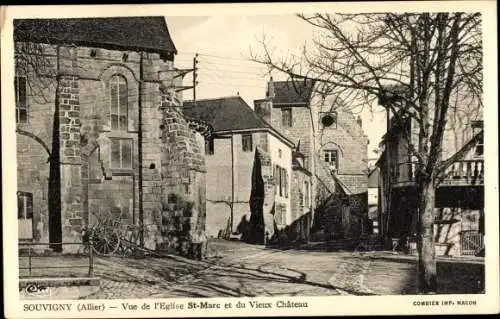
[(427, 276)]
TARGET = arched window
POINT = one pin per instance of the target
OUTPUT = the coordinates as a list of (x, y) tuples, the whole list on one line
[(119, 100)]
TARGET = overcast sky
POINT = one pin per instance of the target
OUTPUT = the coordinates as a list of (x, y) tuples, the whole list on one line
[(223, 43)]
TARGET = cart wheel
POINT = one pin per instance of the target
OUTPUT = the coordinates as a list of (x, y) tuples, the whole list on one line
[(107, 243)]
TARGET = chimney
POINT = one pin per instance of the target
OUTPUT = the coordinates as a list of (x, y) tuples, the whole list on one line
[(360, 122), (270, 89), (263, 109)]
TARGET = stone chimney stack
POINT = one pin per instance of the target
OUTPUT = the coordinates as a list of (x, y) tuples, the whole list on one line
[(270, 89), (263, 109), (360, 122)]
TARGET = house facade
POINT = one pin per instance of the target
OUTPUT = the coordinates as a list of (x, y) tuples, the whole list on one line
[(459, 210), (249, 170), (373, 199), (334, 149), (100, 133)]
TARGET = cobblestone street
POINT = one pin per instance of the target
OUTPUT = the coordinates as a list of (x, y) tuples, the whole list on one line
[(249, 271), (236, 269)]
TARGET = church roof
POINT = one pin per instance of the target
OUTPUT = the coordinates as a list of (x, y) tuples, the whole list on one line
[(148, 34)]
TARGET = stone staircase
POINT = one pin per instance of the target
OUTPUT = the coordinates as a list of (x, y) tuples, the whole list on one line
[(355, 244), (347, 244)]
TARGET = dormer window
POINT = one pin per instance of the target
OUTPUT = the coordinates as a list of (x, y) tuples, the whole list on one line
[(119, 102)]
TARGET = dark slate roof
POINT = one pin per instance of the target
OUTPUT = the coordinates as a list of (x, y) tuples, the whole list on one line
[(227, 114), (288, 92), (133, 33)]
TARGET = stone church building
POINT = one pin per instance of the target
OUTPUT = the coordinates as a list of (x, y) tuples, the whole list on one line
[(101, 137)]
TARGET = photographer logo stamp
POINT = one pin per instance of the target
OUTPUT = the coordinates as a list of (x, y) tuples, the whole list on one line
[(35, 289)]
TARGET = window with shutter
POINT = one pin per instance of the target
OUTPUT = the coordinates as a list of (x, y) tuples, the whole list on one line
[(25, 215), (285, 183), (246, 140), (306, 194), (24, 205), (209, 146), (21, 99)]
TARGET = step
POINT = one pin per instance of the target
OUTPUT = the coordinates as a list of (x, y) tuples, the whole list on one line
[(58, 281)]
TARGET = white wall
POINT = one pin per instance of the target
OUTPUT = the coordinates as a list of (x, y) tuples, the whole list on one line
[(218, 178), (373, 196), (285, 161)]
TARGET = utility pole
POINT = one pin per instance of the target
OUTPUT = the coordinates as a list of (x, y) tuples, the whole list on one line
[(389, 174), (232, 186), (195, 76), (140, 150)]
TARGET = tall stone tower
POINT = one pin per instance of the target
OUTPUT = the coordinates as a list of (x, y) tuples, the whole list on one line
[(334, 146)]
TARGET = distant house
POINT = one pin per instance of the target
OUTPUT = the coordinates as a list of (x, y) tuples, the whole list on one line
[(373, 198), (100, 135), (249, 170), (459, 222), (334, 149)]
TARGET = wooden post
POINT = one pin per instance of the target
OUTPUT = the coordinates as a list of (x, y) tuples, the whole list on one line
[(195, 75), (91, 258), (29, 259)]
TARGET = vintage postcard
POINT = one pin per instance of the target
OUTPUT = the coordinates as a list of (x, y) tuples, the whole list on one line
[(254, 159)]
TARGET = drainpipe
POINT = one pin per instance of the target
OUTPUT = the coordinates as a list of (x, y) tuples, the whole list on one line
[(139, 149)]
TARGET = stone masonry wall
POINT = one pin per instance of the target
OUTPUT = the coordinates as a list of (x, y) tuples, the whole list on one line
[(262, 222), (269, 191), (183, 178), (89, 185), (70, 156), (34, 143), (152, 146), (301, 130), (348, 139)]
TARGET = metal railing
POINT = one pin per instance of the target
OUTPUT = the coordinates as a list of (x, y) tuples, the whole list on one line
[(470, 242), (88, 254), (464, 172)]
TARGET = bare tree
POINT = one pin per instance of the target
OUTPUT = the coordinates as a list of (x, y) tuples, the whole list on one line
[(416, 65)]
